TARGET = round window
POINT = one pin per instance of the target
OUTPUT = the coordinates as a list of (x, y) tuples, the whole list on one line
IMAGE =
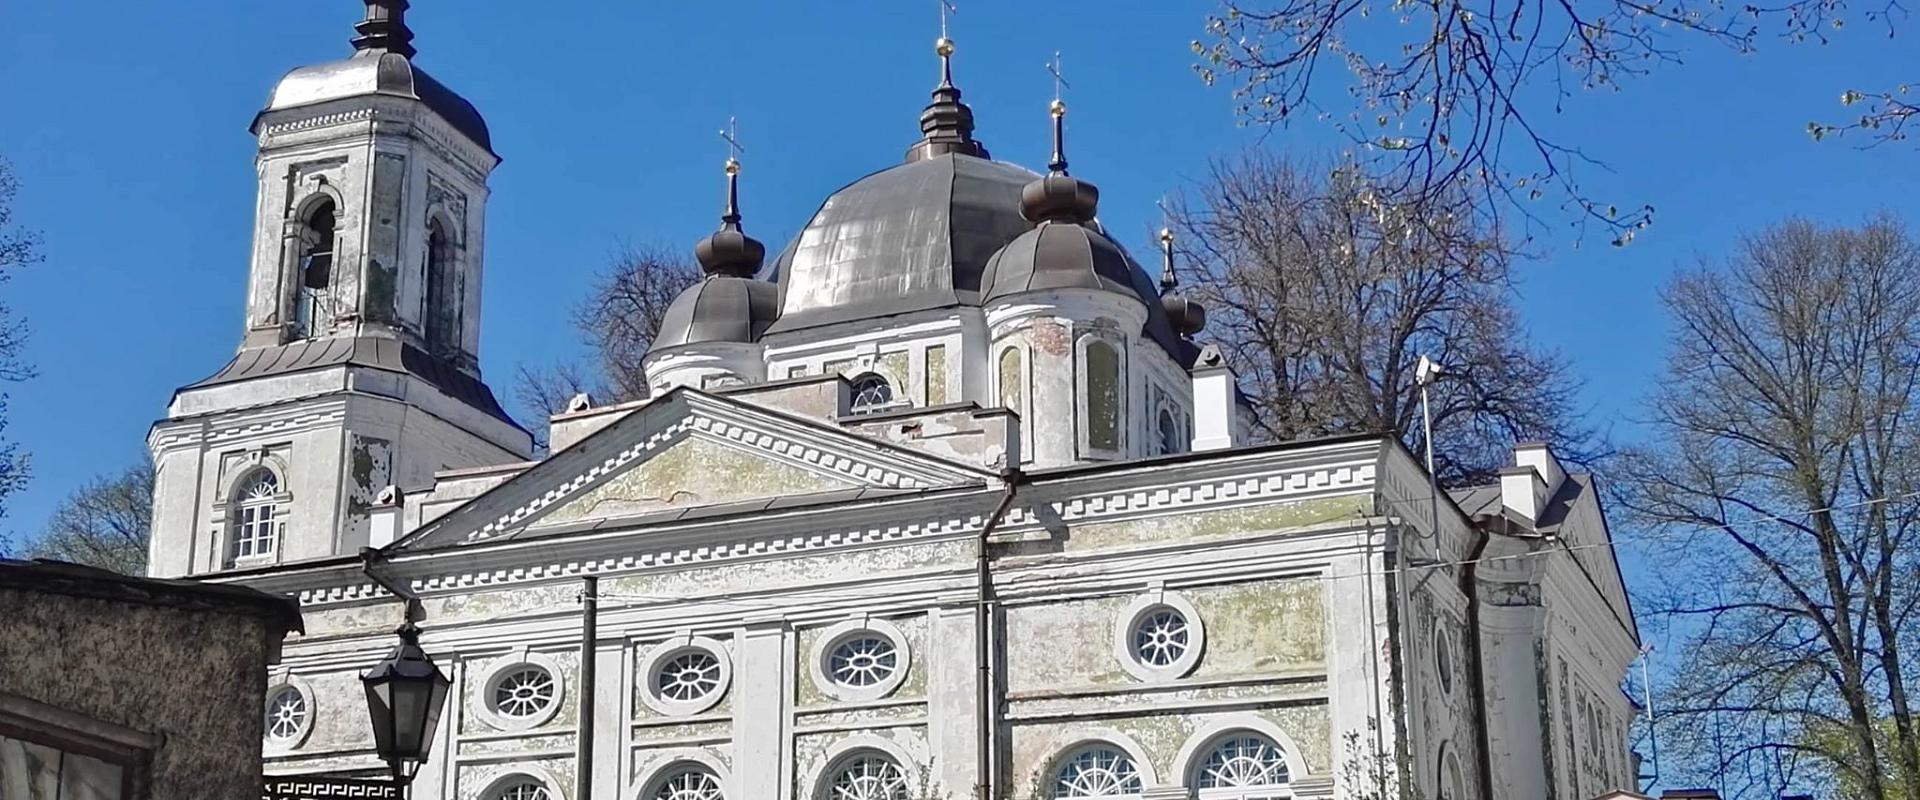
[(685, 676), (289, 715), (524, 693), (860, 660), (1158, 638), (520, 693)]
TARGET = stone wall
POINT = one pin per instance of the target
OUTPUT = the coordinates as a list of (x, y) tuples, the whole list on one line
[(193, 676)]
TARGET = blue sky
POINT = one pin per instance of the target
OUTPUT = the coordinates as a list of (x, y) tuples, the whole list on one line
[(127, 122)]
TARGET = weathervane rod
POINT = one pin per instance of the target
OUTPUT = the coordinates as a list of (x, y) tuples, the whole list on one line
[(1058, 109), (732, 137), (1059, 80)]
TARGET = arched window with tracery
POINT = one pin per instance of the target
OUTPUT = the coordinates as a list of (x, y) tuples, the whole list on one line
[(442, 297), (312, 314), (259, 517), (1099, 770), (871, 392), (1242, 766)]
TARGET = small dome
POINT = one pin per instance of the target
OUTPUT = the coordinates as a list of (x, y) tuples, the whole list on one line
[(377, 72), (720, 308), (1059, 255), (1186, 316)]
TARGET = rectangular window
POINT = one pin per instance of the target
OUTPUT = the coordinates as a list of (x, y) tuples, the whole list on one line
[(49, 753)]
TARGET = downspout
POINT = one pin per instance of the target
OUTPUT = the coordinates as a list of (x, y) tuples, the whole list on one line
[(589, 639), (1470, 586), (370, 557), (988, 694)]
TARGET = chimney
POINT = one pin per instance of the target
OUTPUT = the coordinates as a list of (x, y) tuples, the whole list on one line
[(383, 518), (1216, 402), (1526, 487)]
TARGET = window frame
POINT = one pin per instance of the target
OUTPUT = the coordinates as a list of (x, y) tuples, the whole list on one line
[(1138, 610), (830, 639), (483, 698), (663, 654), (237, 505)]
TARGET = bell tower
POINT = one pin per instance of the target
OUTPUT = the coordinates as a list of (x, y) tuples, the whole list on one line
[(359, 363)]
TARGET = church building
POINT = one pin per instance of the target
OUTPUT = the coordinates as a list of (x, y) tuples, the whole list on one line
[(948, 498)]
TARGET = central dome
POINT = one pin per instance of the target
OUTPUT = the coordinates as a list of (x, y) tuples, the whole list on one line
[(907, 238)]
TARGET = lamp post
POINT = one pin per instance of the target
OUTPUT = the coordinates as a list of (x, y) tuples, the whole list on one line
[(405, 693)]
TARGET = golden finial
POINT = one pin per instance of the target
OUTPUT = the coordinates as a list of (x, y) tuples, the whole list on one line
[(943, 47), (1166, 236), (1057, 108), (733, 166)]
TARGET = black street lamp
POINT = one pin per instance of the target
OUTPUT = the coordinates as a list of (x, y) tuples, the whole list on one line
[(405, 693)]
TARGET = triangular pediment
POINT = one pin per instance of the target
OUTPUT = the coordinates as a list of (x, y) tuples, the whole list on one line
[(688, 450)]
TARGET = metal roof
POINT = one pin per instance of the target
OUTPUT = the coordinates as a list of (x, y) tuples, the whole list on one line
[(720, 308), (376, 72), (359, 351), (908, 238)]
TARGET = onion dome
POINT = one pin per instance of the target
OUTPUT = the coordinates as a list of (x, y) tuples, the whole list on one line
[(382, 64), (728, 305), (1186, 316), (1066, 248)]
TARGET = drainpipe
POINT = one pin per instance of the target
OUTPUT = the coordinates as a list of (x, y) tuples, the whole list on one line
[(371, 557), (1470, 586), (989, 695), (589, 637)]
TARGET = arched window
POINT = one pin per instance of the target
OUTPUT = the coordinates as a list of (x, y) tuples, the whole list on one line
[(257, 517), (1100, 770), (865, 776), (442, 318), (686, 782), (1102, 375), (1169, 433), (1242, 766), (1013, 387), (871, 392), (311, 312)]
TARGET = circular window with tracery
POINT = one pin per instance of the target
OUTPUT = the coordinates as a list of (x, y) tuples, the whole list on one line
[(860, 660), (521, 693), (289, 715), (1099, 771), (524, 692), (685, 676), (868, 776), (1158, 637), (687, 783)]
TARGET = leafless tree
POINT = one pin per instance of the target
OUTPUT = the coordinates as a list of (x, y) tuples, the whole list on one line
[(622, 313), (1325, 293), (104, 523), (1780, 482), (1448, 97), (619, 318), (18, 248)]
